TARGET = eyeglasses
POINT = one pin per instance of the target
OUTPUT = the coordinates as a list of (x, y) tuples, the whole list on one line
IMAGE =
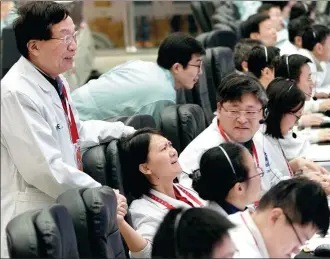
[(260, 173), (293, 228), (248, 114), (199, 66), (68, 38), (297, 117)]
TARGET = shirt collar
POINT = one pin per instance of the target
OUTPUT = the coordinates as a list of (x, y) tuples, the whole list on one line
[(254, 231), (169, 76), (229, 208)]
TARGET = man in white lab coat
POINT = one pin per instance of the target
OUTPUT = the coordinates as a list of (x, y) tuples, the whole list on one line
[(41, 135), (288, 215), (240, 104), (316, 46), (296, 29)]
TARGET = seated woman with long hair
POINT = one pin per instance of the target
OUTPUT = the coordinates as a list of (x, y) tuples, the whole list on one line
[(193, 233), (229, 178), (150, 164), (285, 107)]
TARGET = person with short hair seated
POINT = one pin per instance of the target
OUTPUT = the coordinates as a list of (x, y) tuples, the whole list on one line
[(241, 100), (229, 178), (241, 53), (316, 46), (193, 233), (296, 29), (143, 87), (149, 166), (274, 10), (288, 215), (259, 27), (297, 67), (261, 63), (285, 107)]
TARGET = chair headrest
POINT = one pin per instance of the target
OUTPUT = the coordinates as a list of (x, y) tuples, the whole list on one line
[(93, 212), (46, 233)]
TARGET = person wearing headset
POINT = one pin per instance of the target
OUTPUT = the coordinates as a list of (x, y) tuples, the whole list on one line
[(228, 179), (285, 107), (296, 67), (288, 215), (149, 167), (241, 100), (193, 233), (260, 63)]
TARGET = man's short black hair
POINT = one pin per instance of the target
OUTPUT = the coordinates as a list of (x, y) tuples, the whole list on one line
[(234, 86), (302, 200), (178, 48), (289, 66), (262, 57), (298, 26), (300, 9), (313, 35), (280, 4), (252, 24), (34, 22), (284, 97), (265, 7), (242, 50)]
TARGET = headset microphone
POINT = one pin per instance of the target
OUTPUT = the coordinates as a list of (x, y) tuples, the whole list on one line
[(294, 135)]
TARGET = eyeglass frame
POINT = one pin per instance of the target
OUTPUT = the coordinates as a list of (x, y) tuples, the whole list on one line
[(293, 228), (71, 37), (239, 113), (199, 66)]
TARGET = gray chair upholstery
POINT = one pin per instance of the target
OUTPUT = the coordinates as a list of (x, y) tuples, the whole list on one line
[(46, 233)]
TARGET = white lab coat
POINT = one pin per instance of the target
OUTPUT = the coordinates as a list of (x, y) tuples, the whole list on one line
[(247, 237), (190, 157), (321, 77), (147, 214), (38, 159), (288, 48), (277, 169), (216, 207)]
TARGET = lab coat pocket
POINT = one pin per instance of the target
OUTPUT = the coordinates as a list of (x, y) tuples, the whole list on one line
[(31, 199)]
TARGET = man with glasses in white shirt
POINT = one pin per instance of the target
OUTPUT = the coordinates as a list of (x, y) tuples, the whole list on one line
[(41, 135)]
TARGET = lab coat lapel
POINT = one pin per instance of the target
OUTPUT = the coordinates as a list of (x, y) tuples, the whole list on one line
[(42, 82)]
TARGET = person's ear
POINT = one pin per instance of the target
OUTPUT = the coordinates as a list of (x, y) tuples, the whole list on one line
[(33, 47), (144, 168), (318, 48), (298, 41), (176, 68), (239, 188), (275, 215), (254, 35), (244, 65)]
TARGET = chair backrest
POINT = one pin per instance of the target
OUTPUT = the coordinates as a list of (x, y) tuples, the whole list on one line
[(10, 53), (141, 121), (218, 63), (46, 233), (182, 123), (94, 215), (200, 16), (221, 38)]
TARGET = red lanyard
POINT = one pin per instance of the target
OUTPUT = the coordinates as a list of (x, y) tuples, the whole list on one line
[(255, 240), (254, 150), (169, 206), (72, 124)]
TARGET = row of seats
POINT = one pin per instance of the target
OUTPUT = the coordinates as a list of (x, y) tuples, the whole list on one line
[(83, 224)]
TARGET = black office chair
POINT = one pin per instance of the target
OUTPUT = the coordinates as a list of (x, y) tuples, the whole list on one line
[(182, 123), (94, 215), (200, 16), (46, 233), (218, 63)]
